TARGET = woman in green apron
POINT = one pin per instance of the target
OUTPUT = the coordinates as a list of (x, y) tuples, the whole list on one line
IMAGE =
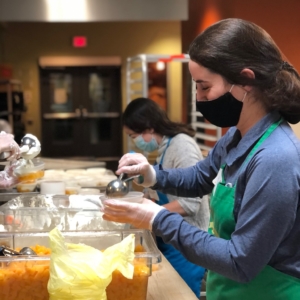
[(252, 249), (152, 130)]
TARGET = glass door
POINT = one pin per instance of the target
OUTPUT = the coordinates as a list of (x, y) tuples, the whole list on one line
[(81, 112)]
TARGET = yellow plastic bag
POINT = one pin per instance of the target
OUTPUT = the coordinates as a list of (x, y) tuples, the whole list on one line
[(79, 271)]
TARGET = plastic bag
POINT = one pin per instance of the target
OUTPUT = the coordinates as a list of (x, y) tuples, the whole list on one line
[(79, 271)]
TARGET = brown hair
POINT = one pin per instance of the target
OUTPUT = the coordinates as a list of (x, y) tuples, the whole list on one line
[(143, 113), (230, 45)]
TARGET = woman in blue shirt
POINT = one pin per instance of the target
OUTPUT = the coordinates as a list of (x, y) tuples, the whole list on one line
[(253, 173)]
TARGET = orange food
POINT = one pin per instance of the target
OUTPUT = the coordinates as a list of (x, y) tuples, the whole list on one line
[(24, 280), (31, 176), (122, 288), (139, 248), (70, 191), (22, 190), (39, 250), (27, 280)]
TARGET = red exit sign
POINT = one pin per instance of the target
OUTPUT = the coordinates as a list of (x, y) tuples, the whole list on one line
[(79, 41)]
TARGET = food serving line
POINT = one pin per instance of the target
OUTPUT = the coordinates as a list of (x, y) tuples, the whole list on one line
[(161, 280)]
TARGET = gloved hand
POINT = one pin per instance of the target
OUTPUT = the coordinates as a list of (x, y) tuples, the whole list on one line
[(8, 144), (7, 177), (140, 215), (137, 164)]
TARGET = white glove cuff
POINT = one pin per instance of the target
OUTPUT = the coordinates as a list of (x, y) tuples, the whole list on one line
[(150, 181), (152, 178), (159, 208)]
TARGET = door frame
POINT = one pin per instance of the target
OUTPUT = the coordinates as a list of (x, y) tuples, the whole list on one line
[(81, 61)]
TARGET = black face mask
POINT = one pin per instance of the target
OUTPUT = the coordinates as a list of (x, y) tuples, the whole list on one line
[(223, 112)]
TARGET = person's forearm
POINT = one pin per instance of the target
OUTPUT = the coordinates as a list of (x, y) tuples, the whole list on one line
[(182, 182), (200, 247), (175, 207)]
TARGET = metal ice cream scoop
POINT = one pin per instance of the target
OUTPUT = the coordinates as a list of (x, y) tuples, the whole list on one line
[(119, 187), (27, 251), (5, 251)]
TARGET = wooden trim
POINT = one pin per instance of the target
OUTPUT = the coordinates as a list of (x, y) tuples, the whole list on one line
[(79, 61)]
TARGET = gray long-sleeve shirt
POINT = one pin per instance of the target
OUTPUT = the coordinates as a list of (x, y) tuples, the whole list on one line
[(267, 209), (183, 152)]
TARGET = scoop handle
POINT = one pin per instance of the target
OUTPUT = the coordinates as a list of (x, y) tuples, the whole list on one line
[(132, 177)]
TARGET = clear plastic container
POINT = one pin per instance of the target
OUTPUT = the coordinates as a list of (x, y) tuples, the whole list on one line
[(45, 212), (26, 171), (31, 274), (26, 187), (136, 197)]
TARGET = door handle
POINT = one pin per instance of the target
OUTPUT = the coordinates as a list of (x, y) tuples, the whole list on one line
[(96, 115), (52, 116), (78, 112), (85, 113)]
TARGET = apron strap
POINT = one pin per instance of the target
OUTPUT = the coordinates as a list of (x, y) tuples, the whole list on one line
[(163, 155)]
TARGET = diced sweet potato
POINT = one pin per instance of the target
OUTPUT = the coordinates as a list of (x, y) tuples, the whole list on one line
[(27, 280)]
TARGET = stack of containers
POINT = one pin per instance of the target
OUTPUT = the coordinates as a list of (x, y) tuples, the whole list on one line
[(28, 174)]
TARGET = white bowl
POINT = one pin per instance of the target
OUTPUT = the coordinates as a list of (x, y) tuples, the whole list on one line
[(136, 197), (53, 187)]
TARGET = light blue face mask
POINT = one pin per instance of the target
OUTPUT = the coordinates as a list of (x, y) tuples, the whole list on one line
[(146, 146)]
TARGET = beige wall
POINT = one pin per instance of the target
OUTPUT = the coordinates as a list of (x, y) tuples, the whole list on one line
[(26, 42)]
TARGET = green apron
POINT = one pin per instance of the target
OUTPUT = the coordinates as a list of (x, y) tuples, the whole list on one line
[(269, 284)]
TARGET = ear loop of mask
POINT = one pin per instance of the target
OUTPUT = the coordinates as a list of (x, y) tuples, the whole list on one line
[(244, 94)]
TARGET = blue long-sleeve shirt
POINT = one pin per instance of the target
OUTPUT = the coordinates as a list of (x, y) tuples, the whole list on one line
[(266, 210)]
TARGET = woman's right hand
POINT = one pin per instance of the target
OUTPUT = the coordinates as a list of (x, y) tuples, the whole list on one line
[(8, 144), (137, 164), (7, 177)]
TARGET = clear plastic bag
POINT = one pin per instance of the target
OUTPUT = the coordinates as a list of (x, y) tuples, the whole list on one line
[(78, 271)]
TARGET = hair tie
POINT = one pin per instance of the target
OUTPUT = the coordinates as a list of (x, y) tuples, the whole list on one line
[(285, 65)]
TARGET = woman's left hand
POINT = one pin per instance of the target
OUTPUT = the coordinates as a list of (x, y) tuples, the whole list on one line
[(140, 215)]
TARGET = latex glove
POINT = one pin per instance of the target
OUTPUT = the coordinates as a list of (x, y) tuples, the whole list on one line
[(137, 164), (140, 215), (7, 177), (8, 144)]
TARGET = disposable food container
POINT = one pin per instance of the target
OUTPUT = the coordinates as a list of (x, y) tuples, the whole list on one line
[(136, 197), (24, 278), (26, 187), (27, 213), (30, 172)]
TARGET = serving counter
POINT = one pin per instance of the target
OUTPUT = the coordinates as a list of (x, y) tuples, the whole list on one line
[(166, 284)]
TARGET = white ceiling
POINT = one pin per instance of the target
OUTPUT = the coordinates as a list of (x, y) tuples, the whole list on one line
[(92, 10)]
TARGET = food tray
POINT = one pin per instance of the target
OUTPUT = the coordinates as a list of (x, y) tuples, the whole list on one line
[(31, 274)]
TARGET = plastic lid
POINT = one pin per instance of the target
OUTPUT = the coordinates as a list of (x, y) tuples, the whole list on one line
[(25, 166), (136, 197)]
